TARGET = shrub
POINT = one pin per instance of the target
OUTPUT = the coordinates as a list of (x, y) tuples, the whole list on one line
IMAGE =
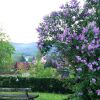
[(40, 71), (75, 32), (37, 84)]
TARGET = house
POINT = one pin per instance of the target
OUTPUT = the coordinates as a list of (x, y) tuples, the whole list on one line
[(25, 65)]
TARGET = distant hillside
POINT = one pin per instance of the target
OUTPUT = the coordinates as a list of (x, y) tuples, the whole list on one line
[(26, 49)]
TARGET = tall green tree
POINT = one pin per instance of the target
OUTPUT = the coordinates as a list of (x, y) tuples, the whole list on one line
[(6, 51)]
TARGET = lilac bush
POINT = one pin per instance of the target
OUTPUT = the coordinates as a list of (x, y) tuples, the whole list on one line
[(75, 32)]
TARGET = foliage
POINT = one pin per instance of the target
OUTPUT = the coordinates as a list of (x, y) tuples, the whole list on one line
[(6, 51), (38, 70), (37, 84), (75, 32)]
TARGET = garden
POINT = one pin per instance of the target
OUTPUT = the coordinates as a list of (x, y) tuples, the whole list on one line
[(67, 66)]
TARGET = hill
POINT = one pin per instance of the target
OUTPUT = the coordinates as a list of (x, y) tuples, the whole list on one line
[(25, 49)]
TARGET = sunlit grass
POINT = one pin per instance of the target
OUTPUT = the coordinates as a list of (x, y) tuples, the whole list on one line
[(42, 96), (51, 96)]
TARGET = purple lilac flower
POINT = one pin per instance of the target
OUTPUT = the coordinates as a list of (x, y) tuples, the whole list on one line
[(60, 37), (73, 3), (94, 63), (90, 47), (79, 69), (84, 61), (77, 37), (54, 14), (46, 27), (85, 13), (81, 37), (40, 46), (93, 80), (96, 46), (77, 47), (90, 66), (91, 11), (98, 68), (96, 30), (65, 13), (83, 46), (62, 6), (95, 0), (74, 34), (92, 24), (65, 32), (93, 41), (85, 40), (39, 30), (99, 59), (78, 58), (98, 92), (69, 37), (85, 30)]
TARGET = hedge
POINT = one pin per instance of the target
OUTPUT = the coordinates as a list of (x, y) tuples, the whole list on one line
[(36, 84)]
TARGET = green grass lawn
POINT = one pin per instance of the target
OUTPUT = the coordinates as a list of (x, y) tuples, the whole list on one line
[(50, 96), (42, 96)]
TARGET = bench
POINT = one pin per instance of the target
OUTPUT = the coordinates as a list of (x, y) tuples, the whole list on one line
[(16, 95)]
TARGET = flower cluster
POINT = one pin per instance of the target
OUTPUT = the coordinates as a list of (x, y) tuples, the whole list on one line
[(98, 92), (87, 43)]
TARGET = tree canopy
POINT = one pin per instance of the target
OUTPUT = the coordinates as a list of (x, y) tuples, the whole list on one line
[(6, 51)]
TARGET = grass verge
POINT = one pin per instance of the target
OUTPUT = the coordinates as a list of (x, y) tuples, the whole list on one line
[(42, 96)]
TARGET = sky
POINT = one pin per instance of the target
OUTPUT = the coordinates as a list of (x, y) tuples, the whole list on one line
[(20, 18)]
